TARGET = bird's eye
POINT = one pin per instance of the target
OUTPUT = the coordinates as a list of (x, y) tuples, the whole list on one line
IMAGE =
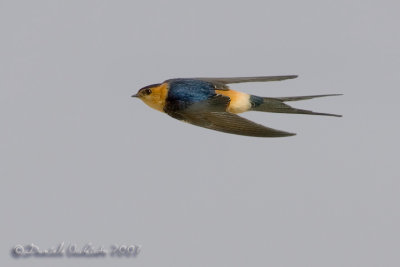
[(147, 91)]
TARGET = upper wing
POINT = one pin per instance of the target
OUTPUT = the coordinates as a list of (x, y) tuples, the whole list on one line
[(221, 83)]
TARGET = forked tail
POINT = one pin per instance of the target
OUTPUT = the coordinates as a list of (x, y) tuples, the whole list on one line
[(277, 105)]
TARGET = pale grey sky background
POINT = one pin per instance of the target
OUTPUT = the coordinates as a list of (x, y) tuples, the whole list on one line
[(82, 161)]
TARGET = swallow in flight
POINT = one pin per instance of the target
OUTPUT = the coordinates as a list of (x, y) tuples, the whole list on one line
[(210, 103)]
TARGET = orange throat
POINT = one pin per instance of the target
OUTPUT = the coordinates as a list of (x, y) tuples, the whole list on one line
[(157, 98)]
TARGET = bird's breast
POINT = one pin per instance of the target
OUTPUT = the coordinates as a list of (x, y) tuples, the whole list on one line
[(240, 102)]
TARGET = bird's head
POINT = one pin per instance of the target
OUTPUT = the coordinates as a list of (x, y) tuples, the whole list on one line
[(153, 95)]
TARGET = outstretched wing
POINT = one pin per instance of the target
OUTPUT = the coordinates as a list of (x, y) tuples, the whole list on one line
[(231, 123), (220, 83), (211, 114)]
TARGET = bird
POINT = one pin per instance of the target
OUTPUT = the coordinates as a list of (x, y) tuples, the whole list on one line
[(210, 103)]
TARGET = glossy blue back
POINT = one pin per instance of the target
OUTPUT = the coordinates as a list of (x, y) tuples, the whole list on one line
[(189, 90)]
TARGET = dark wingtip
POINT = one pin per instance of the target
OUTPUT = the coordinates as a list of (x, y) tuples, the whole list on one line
[(331, 95), (281, 134), (290, 134), (286, 77), (327, 114)]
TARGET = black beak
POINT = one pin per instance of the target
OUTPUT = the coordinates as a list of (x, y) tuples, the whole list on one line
[(135, 95)]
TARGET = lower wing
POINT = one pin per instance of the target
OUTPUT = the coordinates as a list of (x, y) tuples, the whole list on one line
[(230, 123)]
